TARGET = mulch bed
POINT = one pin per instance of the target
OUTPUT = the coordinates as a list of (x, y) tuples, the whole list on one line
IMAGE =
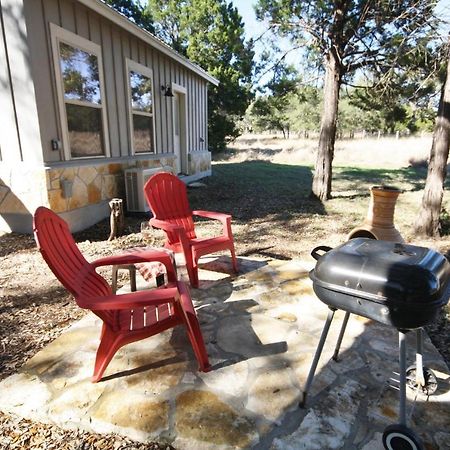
[(19, 433)]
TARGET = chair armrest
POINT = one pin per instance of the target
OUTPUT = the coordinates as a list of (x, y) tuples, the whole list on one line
[(139, 299), (177, 229), (166, 226), (222, 217), (140, 255)]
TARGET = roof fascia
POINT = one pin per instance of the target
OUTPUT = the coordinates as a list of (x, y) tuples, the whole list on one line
[(108, 12)]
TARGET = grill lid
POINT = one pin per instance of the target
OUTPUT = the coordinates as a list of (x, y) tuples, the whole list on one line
[(383, 271)]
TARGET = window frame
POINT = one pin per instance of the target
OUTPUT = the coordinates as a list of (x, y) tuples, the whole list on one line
[(134, 66), (59, 35)]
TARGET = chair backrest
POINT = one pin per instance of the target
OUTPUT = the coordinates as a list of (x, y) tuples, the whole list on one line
[(167, 197), (62, 255)]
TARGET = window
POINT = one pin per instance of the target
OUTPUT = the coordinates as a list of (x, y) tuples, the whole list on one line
[(78, 66), (140, 88)]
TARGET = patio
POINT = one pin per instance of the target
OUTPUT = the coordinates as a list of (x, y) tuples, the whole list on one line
[(261, 329)]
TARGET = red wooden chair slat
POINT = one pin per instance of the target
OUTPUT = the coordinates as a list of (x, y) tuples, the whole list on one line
[(167, 197), (151, 317), (128, 317)]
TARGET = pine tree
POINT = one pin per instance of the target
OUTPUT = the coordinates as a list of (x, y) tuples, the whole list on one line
[(211, 34), (427, 221), (134, 11), (342, 37)]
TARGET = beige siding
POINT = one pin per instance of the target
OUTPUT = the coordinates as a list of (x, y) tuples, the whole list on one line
[(117, 44), (19, 89), (9, 137), (120, 52), (197, 120)]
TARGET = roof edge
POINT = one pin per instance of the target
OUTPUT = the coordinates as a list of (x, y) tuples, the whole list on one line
[(114, 16)]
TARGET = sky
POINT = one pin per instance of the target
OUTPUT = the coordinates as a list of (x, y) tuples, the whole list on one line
[(254, 28)]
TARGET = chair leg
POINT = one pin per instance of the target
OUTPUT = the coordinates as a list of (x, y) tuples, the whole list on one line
[(195, 280), (193, 331), (114, 279), (192, 267), (108, 347), (198, 345), (234, 259)]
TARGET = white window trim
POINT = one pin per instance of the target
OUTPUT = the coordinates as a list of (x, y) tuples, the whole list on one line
[(147, 72), (58, 35), (182, 90)]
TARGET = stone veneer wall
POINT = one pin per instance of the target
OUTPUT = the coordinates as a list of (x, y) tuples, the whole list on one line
[(93, 184), (199, 163), (23, 189)]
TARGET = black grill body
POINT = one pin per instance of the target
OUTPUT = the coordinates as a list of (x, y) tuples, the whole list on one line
[(400, 285), (396, 284)]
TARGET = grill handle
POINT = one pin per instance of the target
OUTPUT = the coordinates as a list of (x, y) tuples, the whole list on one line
[(315, 252)]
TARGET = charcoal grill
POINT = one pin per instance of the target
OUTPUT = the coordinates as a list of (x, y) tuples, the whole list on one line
[(398, 285)]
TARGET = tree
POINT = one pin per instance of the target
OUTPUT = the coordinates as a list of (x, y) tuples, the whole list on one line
[(271, 111), (134, 11), (427, 221), (305, 112), (345, 36), (211, 34), (404, 98), (171, 22)]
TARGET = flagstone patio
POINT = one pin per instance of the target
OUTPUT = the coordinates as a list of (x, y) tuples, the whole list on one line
[(261, 329)]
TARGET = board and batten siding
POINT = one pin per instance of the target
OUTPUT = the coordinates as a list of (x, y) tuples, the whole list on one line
[(19, 125), (117, 44)]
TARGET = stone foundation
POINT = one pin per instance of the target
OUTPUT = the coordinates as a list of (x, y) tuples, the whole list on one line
[(80, 194), (199, 163), (22, 189)]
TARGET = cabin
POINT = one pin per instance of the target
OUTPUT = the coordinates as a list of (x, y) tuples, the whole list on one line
[(91, 106)]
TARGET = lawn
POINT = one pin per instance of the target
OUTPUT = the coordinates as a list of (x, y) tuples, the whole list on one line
[(270, 204)]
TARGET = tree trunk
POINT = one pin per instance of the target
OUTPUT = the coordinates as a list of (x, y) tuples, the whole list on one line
[(116, 218), (321, 187), (427, 221)]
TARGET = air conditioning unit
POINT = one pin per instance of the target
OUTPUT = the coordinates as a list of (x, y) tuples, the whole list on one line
[(134, 188)]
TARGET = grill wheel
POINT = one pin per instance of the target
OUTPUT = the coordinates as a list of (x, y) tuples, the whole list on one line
[(400, 437)]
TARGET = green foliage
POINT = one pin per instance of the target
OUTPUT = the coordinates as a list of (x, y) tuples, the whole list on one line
[(134, 11), (170, 22), (272, 111), (301, 113), (306, 109), (392, 47), (211, 34), (379, 35)]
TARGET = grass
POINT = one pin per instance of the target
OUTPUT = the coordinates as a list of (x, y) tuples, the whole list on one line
[(270, 203)]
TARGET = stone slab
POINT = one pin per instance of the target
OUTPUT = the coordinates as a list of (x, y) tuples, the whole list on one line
[(261, 330)]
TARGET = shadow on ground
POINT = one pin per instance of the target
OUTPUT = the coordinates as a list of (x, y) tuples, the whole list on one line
[(258, 190)]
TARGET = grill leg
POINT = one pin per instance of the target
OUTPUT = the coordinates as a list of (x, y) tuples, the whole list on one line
[(312, 371), (341, 336), (402, 351), (420, 377)]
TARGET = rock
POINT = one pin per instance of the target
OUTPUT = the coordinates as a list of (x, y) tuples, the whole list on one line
[(202, 416)]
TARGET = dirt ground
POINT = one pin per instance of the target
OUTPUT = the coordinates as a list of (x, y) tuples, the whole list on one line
[(272, 216)]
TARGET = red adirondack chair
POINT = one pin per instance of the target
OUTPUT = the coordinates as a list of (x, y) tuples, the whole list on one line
[(126, 318), (167, 197)]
